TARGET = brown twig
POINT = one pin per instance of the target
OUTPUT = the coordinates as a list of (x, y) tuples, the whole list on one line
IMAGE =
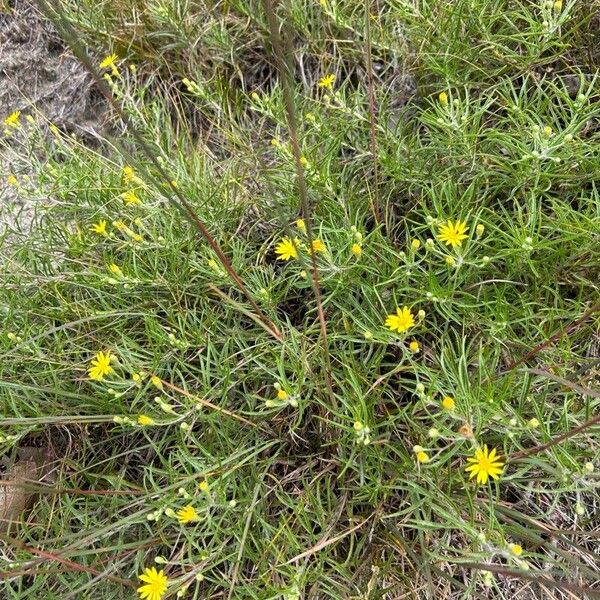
[(553, 338), (51, 9), (286, 87), (209, 404), (376, 203), (543, 579), (563, 436), (57, 558)]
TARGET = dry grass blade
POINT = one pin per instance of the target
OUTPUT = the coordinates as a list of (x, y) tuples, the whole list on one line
[(209, 404)]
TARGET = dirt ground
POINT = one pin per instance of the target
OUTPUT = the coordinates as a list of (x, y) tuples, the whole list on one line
[(37, 75)]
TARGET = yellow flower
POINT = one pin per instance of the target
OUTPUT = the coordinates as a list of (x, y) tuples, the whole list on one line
[(318, 246), (479, 230), (516, 549), (99, 227), (327, 81), (128, 174), (136, 378), (402, 321), (304, 161), (100, 366), (414, 346), (187, 514), (115, 270), (12, 180), (448, 403), (156, 382), (282, 394), (484, 465), (443, 98), (422, 456), (415, 244), (130, 197), (203, 486), (129, 177), (110, 63), (13, 119), (145, 420), (453, 233), (558, 5), (156, 584), (301, 225), (356, 249), (286, 249)]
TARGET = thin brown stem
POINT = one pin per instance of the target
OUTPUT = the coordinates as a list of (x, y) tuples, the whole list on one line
[(375, 206), (285, 75), (51, 9), (553, 338)]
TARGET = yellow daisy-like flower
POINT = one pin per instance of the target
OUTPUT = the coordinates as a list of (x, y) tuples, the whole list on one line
[(156, 382), (110, 62), (12, 181), (453, 233), (145, 420), (443, 98), (318, 246), (402, 321), (130, 197), (286, 249), (327, 81), (485, 464), (282, 395), (301, 225), (516, 549), (115, 270), (203, 486), (128, 174), (13, 119), (356, 249), (99, 227), (187, 514), (448, 403), (129, 177), (414, 346), (100, 366), (156, 584), (422, 456)]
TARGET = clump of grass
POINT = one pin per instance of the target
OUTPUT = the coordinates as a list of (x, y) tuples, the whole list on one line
[(243, 463)]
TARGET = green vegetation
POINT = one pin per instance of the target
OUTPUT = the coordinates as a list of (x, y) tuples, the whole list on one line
[(325, 457)]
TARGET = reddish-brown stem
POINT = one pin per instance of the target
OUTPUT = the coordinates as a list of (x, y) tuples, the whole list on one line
[(553, 338), (376, 204), (65, 28), (286, 87)]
